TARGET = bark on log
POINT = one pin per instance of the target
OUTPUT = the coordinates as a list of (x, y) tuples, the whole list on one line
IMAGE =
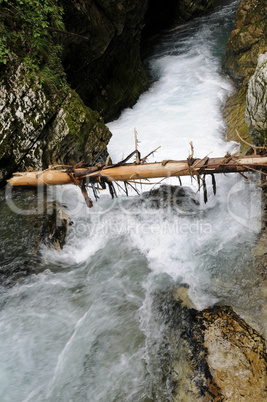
[(132, 171)]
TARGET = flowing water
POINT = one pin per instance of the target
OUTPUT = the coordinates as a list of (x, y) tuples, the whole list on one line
[(80, 324)]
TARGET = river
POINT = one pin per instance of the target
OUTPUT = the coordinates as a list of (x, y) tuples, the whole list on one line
[(81, 324)]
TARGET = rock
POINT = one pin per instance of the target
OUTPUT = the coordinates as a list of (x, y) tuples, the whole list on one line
[(236, 356), (105, 69), (247, 41), (25, 110), (256, 102), (170, 197), (164, 14), (55, 227), (40, 125), (188, 9), (104, 66), (212, 354), (75, 133)]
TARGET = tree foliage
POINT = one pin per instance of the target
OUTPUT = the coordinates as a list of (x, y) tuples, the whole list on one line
[(26, 28)]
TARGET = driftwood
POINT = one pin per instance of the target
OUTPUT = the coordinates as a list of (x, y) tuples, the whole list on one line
[(99, 176)]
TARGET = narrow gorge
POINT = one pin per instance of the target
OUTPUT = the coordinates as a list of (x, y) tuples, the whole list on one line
[(152, 297)]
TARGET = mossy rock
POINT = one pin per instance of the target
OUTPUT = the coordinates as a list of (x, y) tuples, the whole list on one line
[(246, 43), (76, 133), (42, 124), (234, 115)]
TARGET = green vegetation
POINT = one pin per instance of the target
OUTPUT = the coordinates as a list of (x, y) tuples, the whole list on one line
[(29, 29), (28, 24)]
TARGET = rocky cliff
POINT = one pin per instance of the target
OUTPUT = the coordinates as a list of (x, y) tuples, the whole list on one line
[(40, 126), (246, 111)]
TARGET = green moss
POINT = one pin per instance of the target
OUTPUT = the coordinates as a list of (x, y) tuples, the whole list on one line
[(234, 114), (76, 134)]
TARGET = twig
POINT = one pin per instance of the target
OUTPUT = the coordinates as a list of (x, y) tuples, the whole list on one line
[(136, 148), (150, 153), (192, 150), (254, 147), (133, 187)]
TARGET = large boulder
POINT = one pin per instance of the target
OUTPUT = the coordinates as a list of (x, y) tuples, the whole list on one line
[(212, 354)]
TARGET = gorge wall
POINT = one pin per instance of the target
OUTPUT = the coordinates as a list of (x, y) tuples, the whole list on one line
[(245, 110)]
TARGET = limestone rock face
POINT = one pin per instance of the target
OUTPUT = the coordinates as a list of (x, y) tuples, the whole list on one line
[(39, 126), (25, 109), (246, 43), (256, 101)]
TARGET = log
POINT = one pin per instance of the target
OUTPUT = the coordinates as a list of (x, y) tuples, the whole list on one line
[(132, 171)]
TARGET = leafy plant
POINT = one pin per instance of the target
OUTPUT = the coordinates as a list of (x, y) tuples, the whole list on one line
[(26, 27)]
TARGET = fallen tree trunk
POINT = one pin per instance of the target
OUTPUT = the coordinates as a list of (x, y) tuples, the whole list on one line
[(132, 171)]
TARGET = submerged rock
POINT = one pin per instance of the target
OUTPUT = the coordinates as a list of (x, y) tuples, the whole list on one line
[(170, 197), (55, 227)]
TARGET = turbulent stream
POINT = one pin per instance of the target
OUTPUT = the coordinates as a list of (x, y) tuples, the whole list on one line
[(81, 324)]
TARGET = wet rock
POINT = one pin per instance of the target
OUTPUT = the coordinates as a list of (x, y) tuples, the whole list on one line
[(256, 102), (188, 9), (105, 69), (164, 14), (173, 197), (212, 355), (236, 356), (246, 43), (40, 125), (55, 227)]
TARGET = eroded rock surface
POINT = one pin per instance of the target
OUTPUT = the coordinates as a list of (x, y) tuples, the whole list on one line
[(246, 43), (213, 355), (256, 101), (40, 125)]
